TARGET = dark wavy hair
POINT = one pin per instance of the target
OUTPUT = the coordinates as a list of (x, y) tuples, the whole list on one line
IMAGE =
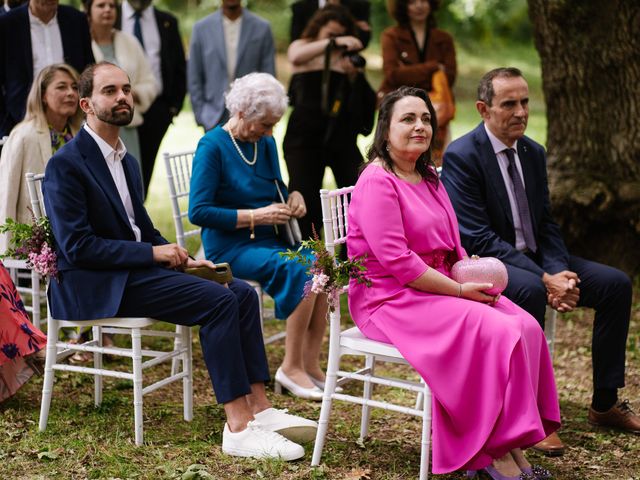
[(330, 12), (425, 166), (399, 10)]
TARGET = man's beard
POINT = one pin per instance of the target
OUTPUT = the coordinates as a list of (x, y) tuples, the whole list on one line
[(115, 117)]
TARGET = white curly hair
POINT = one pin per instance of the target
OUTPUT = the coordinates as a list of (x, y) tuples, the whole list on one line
[(256, 95)]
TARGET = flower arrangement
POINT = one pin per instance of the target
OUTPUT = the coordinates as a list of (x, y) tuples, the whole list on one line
[(330, 274), (32, 242)]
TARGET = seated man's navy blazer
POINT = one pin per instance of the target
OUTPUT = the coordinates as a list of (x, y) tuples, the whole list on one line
[(472, 177), (16, 57), (78, 188), (105, 272)]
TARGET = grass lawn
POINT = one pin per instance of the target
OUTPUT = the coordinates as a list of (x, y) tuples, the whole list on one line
[(86, 442)]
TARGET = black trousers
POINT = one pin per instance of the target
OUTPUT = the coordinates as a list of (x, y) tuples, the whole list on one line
[(156, 123), (603, 288), (229, 320), (306, 170)]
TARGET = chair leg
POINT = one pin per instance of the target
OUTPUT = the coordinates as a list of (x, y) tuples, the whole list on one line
[(136, 341), (187, 381), (425, 442), (177, 345), (49, 372), (325, 411), (260, 305), (35, 298), (370, 365), (419, 398), (550, 329), (97, 363)]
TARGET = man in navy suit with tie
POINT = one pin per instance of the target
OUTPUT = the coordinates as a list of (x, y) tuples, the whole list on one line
[(497, 181), (112, 262), (34, 36), (159, 35)]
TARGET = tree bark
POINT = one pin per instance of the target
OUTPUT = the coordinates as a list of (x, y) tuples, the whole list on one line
[(590, 55)]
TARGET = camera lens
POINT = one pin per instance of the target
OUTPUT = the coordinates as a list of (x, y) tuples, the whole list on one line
[(356, 59)]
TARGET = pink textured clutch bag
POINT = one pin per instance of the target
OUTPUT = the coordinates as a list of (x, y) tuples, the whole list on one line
[(481, 270)]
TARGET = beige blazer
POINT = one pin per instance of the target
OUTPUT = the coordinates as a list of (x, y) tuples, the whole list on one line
[(28, 149), (131, 58)]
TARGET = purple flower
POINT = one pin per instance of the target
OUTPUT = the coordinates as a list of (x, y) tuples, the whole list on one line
[(307, 288), (11, 350), (25, 328)]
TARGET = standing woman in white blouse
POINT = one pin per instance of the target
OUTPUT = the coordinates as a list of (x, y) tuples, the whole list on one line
[(124, 50)]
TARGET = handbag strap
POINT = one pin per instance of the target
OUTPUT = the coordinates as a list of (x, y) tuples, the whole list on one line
[(279, 191)]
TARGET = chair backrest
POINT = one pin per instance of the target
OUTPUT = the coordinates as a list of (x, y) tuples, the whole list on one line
[(34, 186), (178, 167), (335, 211)]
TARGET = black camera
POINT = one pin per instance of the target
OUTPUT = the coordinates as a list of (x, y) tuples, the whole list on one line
[(356, 59)]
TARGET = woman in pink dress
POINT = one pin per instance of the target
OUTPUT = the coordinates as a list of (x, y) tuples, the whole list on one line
[(485, 359), (20, 341)]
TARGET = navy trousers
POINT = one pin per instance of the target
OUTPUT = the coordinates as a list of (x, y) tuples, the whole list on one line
[(603, 288), (229, 320)]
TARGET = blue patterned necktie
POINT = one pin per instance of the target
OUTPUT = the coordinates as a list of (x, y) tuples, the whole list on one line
[(521, 202), (137, 28)]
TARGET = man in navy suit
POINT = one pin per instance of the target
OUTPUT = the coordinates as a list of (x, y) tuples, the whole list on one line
[(7, 5), (113, 262), (162, 43), (497, 181), (31, 37)]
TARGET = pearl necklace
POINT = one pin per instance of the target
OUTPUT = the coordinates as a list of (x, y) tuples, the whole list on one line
[(255, 151)]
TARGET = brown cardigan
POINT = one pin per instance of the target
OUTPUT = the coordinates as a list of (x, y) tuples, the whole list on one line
[(401, 64)]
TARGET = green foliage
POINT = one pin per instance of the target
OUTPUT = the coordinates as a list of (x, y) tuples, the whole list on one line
[(486, 21), (330, 274), (26, 237)]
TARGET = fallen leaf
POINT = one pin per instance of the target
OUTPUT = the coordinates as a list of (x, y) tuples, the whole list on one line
[(48, 455), (358, 474)]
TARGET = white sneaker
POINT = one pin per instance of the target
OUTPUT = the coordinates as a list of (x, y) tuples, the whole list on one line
[(258, 442), (296, 429)]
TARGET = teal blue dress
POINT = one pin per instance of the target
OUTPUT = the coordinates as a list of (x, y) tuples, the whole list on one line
[(221, 184)]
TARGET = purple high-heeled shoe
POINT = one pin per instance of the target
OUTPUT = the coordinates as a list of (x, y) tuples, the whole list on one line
[(495, 475), (538, 473)]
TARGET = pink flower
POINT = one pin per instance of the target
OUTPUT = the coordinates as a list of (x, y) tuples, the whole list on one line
[(319, 282), (45, 261)]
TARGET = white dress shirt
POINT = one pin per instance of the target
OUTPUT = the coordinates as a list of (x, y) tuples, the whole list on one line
[(231, 38), (46, 43), (150, 36), (503, 163), (114, 162)]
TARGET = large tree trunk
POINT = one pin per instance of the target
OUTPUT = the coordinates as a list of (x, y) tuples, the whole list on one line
[(590, 53)]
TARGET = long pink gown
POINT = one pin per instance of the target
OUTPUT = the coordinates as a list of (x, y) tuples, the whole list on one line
[(488, 367)]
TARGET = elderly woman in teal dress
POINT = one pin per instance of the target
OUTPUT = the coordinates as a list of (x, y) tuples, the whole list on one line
[(234, 197)]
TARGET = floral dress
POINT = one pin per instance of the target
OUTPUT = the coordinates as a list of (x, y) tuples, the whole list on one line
[(18, 338)]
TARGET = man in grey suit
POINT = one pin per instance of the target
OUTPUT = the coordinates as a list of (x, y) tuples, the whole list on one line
[(225, 45)]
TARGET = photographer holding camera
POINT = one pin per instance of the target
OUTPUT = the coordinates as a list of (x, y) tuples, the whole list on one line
[(332, 104)]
